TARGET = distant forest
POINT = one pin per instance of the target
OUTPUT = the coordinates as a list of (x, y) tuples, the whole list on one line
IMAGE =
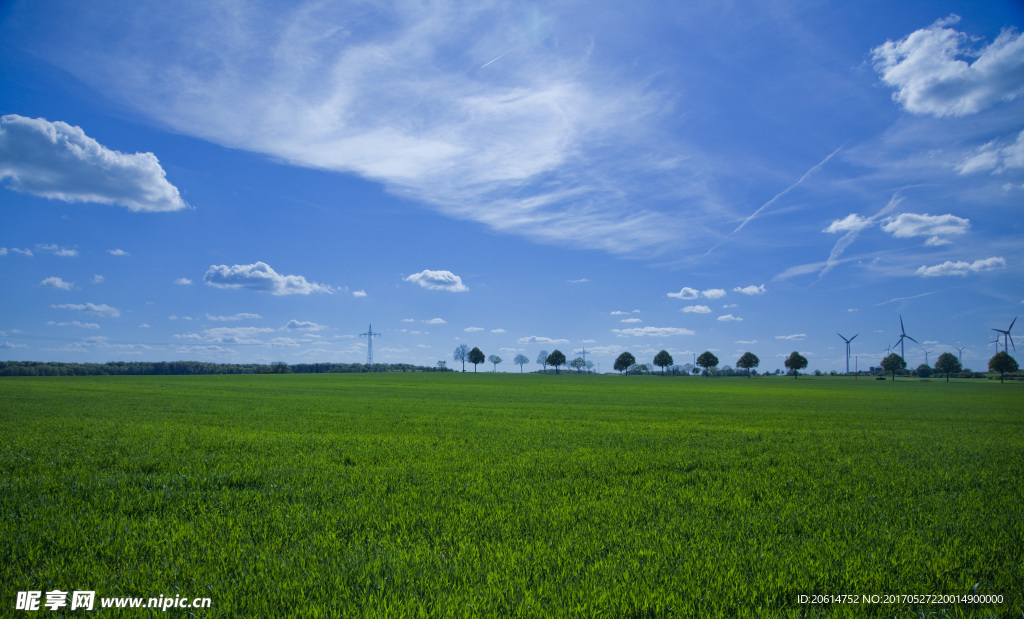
[(189, 368)]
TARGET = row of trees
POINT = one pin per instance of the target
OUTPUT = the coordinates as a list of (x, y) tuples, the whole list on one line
[(556, 359), (188, 368), (948, 363)]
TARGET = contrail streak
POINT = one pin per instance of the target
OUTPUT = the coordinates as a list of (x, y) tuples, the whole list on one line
[(496, 59), (806, 175)]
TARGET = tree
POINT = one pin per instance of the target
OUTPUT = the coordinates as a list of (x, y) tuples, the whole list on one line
[(1002, 363), (542, 359), (578, 364), (442, 366), (707, 360), (893, 363), (521, 360), (948, 363), (624, 361), (495, 359), (590, 366), (923, 371), (461, 352), (556, 358), (748, 361), (475, 356), (796, 362), (663, 360)]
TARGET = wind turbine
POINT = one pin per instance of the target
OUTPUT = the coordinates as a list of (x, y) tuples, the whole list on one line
[(847, 349), (960, 354), (996, 342), (904, 336), (926, 351), (1006, 334)]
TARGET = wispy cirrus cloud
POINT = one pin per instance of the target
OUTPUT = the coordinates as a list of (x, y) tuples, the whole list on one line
[(58, 161), (535, 339), (652, 332)]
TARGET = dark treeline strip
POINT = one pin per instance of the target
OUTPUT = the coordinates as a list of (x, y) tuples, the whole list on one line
[(188, 368)]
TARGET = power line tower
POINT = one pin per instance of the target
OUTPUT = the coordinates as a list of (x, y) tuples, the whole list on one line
[(369, 335)]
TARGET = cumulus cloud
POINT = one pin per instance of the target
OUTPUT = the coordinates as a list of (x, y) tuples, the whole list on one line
[(850, 223), (56, 282), (728, 318), (56, 250), (928, 71), (473, 329), (102, 309), (534, 339), (436, 321), (358, 293), (76, 323), (58, 161), (296, 325), (713, 293), (909, 225), (962, 268), (97, 279), (117, 252), (751, 290), (685, 293), (652, 331), (438, 280), (261, 278), (631, 320), (994, 158), (795, 336), (183, 281), (498, 331), (696, 309), (227, 335)]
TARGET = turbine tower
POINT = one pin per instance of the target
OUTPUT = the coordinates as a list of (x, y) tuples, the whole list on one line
[(904, 336), (847, 349), (369, 335), (926, 351), (1006, 334), (960, 354)]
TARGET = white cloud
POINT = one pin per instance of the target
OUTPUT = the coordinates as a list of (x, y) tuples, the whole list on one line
[(102, 310), (58, 161), (232, 335), (751, 290), (75, 323), (745, 342), (631, 320), (23, 252), (473, 329), (183, 281), (696, 309), (534, 339), (578, 281), (283, 342), (56, 250), (8, 345), (996, 159), (498, 331), (652, 331), (851, 223), (685, 293), (930, 77), (3, 251), (97, 279), (295, 325), (936, 241), (438, 280), (795, 336), (435, 321), (962, 268), (908, 225), (117, 252), (261, 278), (358, 293), (408, 320), (56, 282), (713, 293), (728, 318)]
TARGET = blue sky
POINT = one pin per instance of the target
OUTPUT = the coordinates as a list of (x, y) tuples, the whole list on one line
[(260, 181)]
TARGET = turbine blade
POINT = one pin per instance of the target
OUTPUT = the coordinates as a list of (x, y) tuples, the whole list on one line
[(1012, 344), (854, 337), (1010, 328), (912, 339)]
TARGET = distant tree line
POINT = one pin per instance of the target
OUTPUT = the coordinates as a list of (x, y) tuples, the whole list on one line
[(189, 368)]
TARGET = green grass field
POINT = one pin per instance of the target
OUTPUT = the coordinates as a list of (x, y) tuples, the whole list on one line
[(437, 495)]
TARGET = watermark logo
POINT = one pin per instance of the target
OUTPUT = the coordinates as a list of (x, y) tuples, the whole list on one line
[(86, 600)]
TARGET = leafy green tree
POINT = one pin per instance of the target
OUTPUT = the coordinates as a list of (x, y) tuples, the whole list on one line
[(475, 357), (460, 354), (442, 366), (578, 364), (796, 362), (663, 360), (521, 360), (947, 363), (495, 359), (542, 359), (707, 360), (748, 361), (923, 371), (1002, 363), (893, 363), (556, 358), (623, 362)]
